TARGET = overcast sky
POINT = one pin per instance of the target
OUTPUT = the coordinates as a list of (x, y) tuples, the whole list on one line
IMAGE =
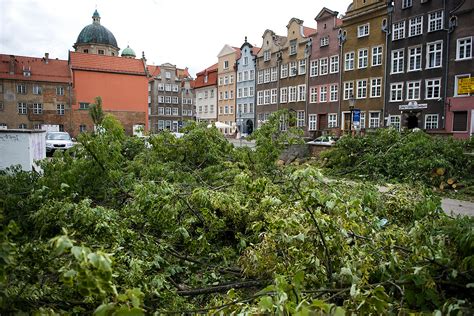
[(186, 33)]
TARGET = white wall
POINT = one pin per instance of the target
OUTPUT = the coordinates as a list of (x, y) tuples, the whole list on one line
[(22, 147)]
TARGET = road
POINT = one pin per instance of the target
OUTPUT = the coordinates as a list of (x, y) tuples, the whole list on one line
[(455, 207)]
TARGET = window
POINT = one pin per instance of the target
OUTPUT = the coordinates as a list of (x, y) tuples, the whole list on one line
[(274, 94), (323, 94), (246, 61), (334, 68), (167, 99), (398, 61), (460, 121), (416, 26), (274, 74), (292, 94), (348, 89), (267, 97), (175, 100), (398, 30), (396, 92), (375, 87), (266, 75), (301, 68), (293, 69), (431, 121), (394, 121), (168, 75), (22, 108), (361, 89), (313, 68), (167, 111), (175, 111), (267, 55), (226, 64), (292, 47), (435, 21), (37, 89), (363, 30), (433, 89), (434, 53), (312, 122), (252, 74), (300, 118), (313, 95), (260, 77), (167, 87), (176, 87), (82, 128), (324, 41), (161, 110), (407, 4), (349, 61), (457, 92), (259, 97), (301, 92), (332, 120), (22, 126), (37, 108), (101, 52), (161, 99), (239, 76), (414, 58), (413, 90), (284, 71), (374, 119), (239, 92), (362, 119), (283, 95), (231, 80), (21, 88), (376, 56), (333, 93), (161, 87), (323, 66), (363, 59), (251, 91), (464, 48), (85, 51), (226, 80)]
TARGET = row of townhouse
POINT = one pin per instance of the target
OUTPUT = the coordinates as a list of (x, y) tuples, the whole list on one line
[(406, 64), (37, 92)]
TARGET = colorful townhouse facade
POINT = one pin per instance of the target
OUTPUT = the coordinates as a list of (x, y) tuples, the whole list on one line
[(35, 92), (363, 35), (245, 87), (268, 64), (417, 64), (205, 90), (460, 87), (171, 98), (324, 73), (226, 76)]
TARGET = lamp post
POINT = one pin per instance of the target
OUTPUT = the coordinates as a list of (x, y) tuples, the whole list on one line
[(351, 109)]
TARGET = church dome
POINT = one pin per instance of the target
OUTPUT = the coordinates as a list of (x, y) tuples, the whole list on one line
[(128, 52), (95, 33)]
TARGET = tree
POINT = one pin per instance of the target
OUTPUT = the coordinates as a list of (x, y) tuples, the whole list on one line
[(96, 112)]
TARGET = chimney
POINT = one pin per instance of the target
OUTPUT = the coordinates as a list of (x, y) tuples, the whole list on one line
[(46, 58), (11, 67)]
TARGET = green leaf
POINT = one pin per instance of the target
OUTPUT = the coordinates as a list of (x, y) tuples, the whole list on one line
[(266, 303)]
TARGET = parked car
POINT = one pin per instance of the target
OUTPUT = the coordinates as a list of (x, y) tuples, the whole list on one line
[(58, 141), (326, 140)]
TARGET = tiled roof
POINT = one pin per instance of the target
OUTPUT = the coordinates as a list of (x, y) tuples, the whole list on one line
[(211, 77), (182, 73), (307, 31), (103, 63), (154, 70), (255, 50), (54, 71)]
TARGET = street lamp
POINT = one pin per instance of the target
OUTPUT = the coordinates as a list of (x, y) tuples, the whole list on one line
[(351, 108)]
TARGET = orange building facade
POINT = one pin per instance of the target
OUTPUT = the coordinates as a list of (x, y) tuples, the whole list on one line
[(122, 84)]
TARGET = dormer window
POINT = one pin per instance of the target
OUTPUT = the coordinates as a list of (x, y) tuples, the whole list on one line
[(101, 52), (324, 41), (205, 79), (26, 72), (292, 47), (86, 51), (267, 55)]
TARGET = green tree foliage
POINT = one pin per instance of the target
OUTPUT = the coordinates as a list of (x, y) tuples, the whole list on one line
[(411, 156), (96, 112), (193, 225)]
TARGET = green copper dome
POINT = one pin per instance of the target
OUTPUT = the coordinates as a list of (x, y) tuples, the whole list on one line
[(96, 34), (128, 52)]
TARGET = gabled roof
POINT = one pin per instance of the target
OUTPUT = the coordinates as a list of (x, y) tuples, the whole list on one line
[(54, 70), (103, 63), (208, 69), (154, 70), (182, 73), (325, 11)]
